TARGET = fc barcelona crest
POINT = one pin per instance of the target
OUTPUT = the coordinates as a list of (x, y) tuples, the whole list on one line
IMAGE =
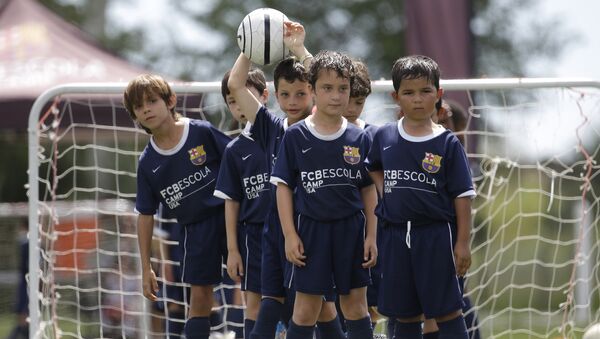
[(197, 155), (351, 155), (432, 162)]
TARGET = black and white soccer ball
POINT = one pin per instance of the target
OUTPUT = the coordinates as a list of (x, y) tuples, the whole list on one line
[(593, 332), (260, 36)]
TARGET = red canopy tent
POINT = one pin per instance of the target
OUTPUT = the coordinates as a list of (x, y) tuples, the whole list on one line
[(39, 50)]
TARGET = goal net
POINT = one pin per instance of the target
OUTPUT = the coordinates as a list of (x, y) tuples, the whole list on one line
[(533, 145)]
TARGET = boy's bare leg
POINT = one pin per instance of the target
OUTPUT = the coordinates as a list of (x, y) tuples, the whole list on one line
[(355, 309), (197, 325)]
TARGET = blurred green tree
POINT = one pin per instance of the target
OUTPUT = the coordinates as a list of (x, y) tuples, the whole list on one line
[(505, 37)]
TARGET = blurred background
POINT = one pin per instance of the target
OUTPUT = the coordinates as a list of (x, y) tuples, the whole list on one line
[(50, 42)]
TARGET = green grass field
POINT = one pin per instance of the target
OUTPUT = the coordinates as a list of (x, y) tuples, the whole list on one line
[(7, 322)]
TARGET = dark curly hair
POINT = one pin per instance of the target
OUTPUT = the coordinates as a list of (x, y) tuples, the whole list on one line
[(414, 67), (333, 61)]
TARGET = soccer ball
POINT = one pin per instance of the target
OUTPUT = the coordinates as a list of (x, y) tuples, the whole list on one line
[(592, 332), (260, 36)]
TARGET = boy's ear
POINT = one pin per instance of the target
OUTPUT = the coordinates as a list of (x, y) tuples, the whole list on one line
[(440, 93), (172, 101), (394, 96), (264, 96)]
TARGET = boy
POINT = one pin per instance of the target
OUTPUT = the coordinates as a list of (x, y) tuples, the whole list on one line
[(322, 159), (361, 89), (452, 116), (293, 95), (171, 297), (423, 178), (243, 183), (178, 169)]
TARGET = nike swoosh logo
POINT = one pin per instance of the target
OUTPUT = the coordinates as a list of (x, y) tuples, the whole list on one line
[(156, 169), (246, 157), (386, 147), (306, 150)]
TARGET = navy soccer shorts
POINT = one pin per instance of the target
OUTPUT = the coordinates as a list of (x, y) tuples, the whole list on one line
[(273, 261), (204, 247), (373, 289), (334, 256), (249, 243), (418, 271)]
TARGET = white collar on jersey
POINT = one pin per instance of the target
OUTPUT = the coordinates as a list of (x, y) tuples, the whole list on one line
[(327, 137), (285, 124), (361, 123), (436, 132), (184, 135), (246, 130)]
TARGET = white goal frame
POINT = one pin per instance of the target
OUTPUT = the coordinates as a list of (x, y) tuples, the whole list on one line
[(198, 88)]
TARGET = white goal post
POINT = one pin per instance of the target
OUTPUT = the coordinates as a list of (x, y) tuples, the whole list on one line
[(533, 144)]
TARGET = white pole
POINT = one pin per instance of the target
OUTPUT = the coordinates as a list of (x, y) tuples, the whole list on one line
[(34, 239), (584, 264)]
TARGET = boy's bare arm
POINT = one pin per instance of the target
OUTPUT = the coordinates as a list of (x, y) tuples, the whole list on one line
[(293, 39), (160, 248), (247, 102), (462, 249), (377, 177), (145, 227), (294, 249), (232, 211), (369, 197), (235, 267)]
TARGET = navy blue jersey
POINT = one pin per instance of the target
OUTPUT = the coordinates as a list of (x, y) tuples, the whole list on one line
[(327, 170), (370, 130), (268, 131), (183, 178), (421, 175), (244, 177)]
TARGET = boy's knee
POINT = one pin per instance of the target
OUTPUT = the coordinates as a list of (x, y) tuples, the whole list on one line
[(253, 301), (354, 305), (201, 301), (307, 309), (304, 316), (328, 312)]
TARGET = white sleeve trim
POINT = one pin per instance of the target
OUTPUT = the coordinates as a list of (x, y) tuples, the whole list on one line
[(135, 210), (277, 180), (221, 195), (161, 233), (469, 193)]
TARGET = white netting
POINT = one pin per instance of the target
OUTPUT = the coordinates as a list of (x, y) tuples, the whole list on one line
[(533, 151), (89, 268)]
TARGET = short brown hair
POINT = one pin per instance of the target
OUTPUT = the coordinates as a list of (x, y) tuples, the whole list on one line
[(361, 86), (256, 79), (291, 70), (143, 85), (414, 67), (333, 61)]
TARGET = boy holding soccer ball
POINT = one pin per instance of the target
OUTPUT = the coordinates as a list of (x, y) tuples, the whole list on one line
[(243, 182), (293, 95), (425, 187), (178, 169)]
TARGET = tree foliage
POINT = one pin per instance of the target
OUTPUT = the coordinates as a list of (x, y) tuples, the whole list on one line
[(505, 39)]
